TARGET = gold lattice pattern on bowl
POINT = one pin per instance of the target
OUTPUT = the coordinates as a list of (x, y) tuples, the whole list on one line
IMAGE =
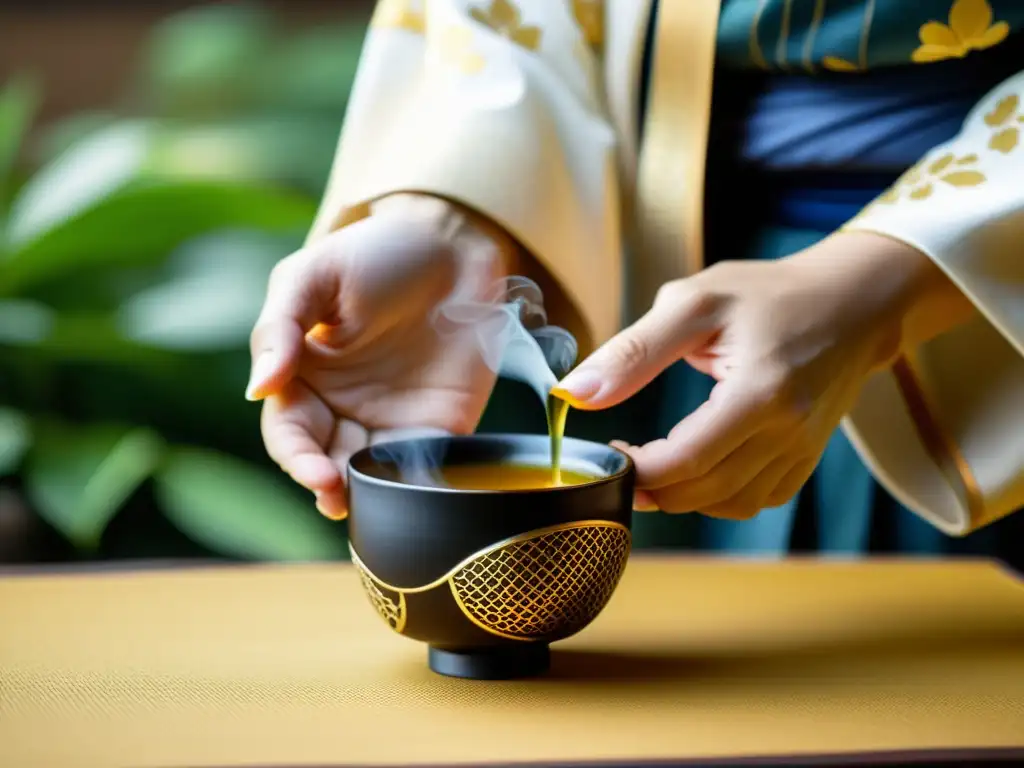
[(389, 603), (551, 582)]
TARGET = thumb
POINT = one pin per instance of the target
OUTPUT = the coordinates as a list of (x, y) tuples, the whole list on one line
[(301, 293), (674, 327)]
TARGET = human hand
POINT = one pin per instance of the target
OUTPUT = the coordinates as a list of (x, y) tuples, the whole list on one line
[(344, 350), (790, 344)]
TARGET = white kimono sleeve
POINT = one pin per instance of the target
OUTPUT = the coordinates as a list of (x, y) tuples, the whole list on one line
[(943, 430), (496, 105)]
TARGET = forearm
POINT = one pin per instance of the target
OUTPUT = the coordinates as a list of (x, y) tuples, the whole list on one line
[(936, 305), (910, 297), (472, 234)]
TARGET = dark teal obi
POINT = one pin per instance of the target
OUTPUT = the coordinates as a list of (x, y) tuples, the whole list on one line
[(792, 158)]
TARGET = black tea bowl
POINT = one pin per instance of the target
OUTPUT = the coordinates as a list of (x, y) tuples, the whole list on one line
[(488, 579)]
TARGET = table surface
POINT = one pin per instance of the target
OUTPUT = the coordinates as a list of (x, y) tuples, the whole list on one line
[(694, 659)]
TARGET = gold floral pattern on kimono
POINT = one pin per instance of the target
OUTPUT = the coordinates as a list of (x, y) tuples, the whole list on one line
[(399, 14), (970, 28), (503, 17), (589, 16), (920, 181), (456, 49), (854, 36), (1004, 120)]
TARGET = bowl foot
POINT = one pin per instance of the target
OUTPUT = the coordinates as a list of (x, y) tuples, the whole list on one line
[(526, 660)]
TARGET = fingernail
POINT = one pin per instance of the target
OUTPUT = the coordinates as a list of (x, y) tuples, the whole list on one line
[(261, 372), (644, 502), (579, 386), (327, 511)]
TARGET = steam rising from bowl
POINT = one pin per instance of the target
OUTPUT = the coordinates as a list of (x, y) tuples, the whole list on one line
[(511, 334)]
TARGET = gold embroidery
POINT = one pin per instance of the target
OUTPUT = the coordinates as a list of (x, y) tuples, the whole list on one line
[(783, 41), (869, 16), (398, 14), (812, 33), (756, 54), (837, 64), (1004, 109), (919, 182), (503, 17), (937, 440), (1007, 137), (970, 28), (667, 214), (456, 50), (590, 18), (1006, 140)]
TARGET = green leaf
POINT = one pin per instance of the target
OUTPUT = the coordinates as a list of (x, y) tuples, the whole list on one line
[(107, 204), (73, 337), (312, 71), (15, 439), (102, 165), (213, 297), (140, 223), (288, 150), (62, 136), (18, 102), (78, 479), (201, 61), (240, 511), (24, 323)]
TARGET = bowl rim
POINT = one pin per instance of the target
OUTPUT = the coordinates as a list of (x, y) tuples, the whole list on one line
[(627, 468)]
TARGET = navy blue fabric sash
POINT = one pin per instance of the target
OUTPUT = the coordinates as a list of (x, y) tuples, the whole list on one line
[(822, 201), (819, 148)]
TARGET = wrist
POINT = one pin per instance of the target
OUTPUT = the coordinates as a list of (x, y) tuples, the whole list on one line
[(471, 236), (899, 289)]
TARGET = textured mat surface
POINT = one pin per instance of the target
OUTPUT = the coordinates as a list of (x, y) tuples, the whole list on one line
[(290, 666)]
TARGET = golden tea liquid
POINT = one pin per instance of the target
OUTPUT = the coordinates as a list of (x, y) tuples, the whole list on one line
[(558, 411), (508, 477)]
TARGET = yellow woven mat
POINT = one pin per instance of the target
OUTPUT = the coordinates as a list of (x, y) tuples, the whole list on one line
[(290, 666)]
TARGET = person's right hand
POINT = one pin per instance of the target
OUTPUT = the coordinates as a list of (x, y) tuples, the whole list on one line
[(344, 350)]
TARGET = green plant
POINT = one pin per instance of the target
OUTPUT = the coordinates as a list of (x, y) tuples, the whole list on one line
[(132, 266)]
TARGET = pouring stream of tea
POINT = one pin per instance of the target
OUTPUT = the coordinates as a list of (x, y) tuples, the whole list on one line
[(557, 412), (508, 328)]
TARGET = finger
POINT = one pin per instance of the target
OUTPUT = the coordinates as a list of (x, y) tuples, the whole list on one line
[(696, 445), (301, 293), (678, 323), (724, 479), (791, 483), (752, 497), (450, 410), (643, 501), (296, 427), (349, 438), (332, 504)]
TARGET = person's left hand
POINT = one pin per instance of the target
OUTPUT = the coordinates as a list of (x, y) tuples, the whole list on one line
[(790, 344)]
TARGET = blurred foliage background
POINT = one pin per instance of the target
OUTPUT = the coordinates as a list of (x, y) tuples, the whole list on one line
[(135, 244)]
